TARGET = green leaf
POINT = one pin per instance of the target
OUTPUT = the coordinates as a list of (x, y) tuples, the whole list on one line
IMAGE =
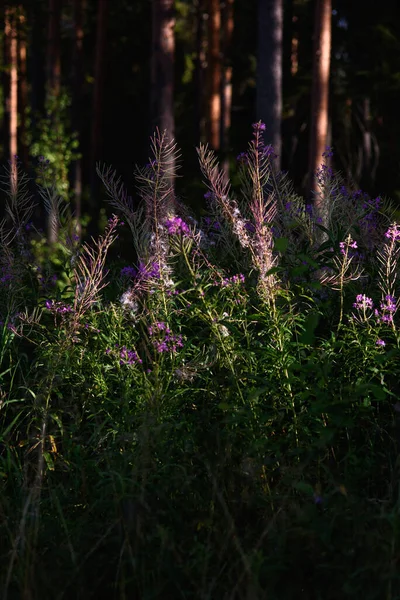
[(304, 487), (308, 336), (281, 244)]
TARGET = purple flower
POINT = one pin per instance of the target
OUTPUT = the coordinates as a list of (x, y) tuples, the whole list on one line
[(269, 152), (243, 158), (393, 233), (324, 174), (260, 126), (128, 272), (176, 225), (250, 227), (58, 307), (343, 246), (380, 342), (363, 302), (328, 152)]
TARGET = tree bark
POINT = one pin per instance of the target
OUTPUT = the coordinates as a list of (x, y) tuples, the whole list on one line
[(199, 124), (319, 126), (54, 48), (226, 87), (162, 75), (269, 71), (12, 100), (23, 88), (77, 84), (96, 140), (53, 85), (162, 66), (214, 68)]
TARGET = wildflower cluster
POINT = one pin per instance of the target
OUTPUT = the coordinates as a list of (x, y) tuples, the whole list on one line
[(128, 272), (344, 245), (149, 271), (177, 226), (388, 309), (393, 233), (227, 281), (169, 341), (58, 307), (364, 304), (126, 357)]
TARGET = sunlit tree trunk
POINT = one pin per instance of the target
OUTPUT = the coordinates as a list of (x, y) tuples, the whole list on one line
[(12, 99), (162, 72), (23, 87), (214, 68), (319, 126), (199, 71), (269, 71), (77, 83), (53, 84), (226, 88), (162, 66), (97, 111)]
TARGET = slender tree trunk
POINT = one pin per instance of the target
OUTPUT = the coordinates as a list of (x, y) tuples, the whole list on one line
[(53, 85), (162, 73), (77, 83), (162, 66), (320, 99), (199, 69), (367, 167), (96, 140), (269, 71), (12, 100), (23, 87), (54, 48), (226, 88), (214, 68)]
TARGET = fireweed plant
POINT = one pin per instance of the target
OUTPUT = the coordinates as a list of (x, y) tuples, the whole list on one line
[(218, 417)]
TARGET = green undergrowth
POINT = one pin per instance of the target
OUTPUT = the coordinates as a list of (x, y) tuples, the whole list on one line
[(221, 422)]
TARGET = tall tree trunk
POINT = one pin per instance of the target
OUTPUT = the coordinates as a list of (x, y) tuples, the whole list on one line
[(269, 71), (199, 69), (214, 68), (162, 66), (162, 72), (367, 166), (319, 127), (53, 86), (54, 48), (96, 141), (12, 100), (226, 87), (77, 83), (23, 87)]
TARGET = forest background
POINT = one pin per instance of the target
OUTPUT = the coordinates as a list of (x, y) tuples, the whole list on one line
[(89, 80)]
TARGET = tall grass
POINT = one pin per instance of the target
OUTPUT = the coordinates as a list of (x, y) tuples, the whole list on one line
[(215, 417)]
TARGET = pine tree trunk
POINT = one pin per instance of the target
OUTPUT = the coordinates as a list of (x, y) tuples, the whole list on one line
[(269, 71), (226, 88), (53, 85), (23, 88), (96, 141), (199, 124), (319, 127), (54, 48), (12, 100), (162, 66), (214, 68), (162, 73), (77, 83)]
